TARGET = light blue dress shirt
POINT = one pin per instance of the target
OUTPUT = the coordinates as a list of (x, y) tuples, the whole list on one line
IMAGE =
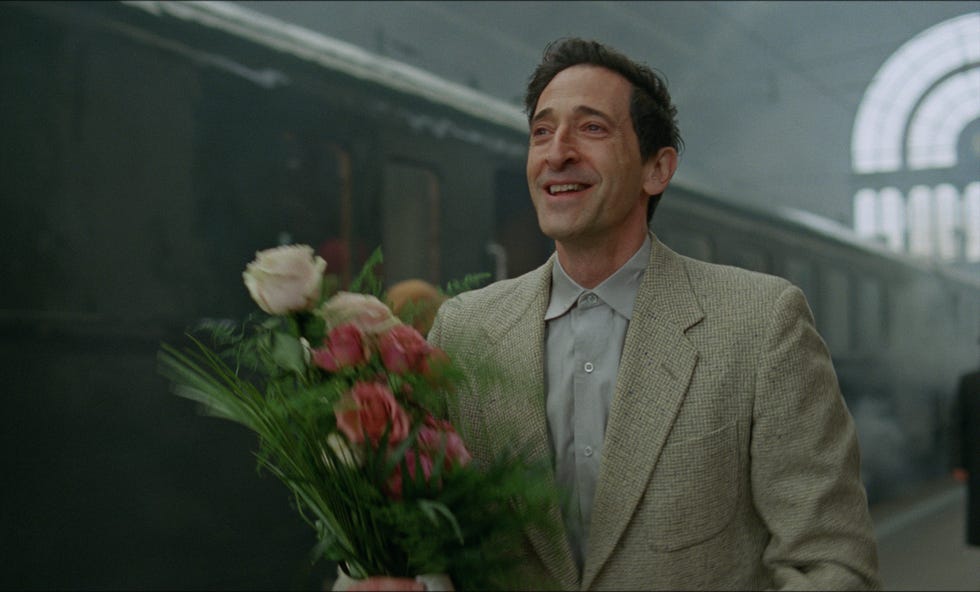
[(585, 331)]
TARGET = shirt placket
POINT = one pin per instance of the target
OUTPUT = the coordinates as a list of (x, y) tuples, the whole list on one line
[(589, 325)]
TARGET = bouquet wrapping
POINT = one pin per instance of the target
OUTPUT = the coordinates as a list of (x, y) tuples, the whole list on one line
[(349, 404)]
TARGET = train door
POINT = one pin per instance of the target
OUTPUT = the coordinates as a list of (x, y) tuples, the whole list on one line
[(410, 208), (518, 245)]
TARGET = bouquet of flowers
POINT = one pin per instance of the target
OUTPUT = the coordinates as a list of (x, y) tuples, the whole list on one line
[(349, 405)]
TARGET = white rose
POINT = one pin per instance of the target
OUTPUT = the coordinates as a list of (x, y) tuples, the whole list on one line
[(343, 451), (367, 313), (307, 350), (285, 279)]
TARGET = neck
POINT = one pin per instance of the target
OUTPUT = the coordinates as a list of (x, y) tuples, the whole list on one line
[(589, 265)]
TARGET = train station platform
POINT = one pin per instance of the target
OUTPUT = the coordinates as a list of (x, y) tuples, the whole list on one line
[(922, 540)]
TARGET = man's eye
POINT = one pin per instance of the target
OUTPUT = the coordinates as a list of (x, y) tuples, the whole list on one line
[(594, 127)]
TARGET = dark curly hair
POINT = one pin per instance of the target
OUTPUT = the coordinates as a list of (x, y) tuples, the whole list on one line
[(654, 116)]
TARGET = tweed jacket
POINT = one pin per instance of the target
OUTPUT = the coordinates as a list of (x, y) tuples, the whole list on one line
[(730, 459)]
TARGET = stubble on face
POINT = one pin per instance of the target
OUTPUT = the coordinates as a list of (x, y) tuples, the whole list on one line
[(584, 169)]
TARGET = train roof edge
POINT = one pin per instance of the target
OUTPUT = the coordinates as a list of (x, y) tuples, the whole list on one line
[(357, 62), (338, 55), (827, 229)]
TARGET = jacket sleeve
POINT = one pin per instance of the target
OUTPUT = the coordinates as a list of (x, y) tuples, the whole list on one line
[(463, 407), (805, 467), (438, 337)]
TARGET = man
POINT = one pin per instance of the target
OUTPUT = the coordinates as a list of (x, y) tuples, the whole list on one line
[(967, 468), (691, 410)]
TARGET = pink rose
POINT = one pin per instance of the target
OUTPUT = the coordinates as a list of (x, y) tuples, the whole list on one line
[(403, 349), (367, 313), (285, 279), (367, 410), (438, 433), (394, 484), (344, 346)]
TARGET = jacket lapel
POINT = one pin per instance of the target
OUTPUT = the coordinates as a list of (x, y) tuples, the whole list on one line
[(516, 345), (654, 373)]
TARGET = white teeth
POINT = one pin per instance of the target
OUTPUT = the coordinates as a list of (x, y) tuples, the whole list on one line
[(567, 187)]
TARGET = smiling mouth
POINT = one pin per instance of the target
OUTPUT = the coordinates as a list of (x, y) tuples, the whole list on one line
[(565, 188)]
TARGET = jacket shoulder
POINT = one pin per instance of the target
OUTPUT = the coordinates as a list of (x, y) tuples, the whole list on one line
[(488, 297), (705, 273), (725, 291), (487, 307)]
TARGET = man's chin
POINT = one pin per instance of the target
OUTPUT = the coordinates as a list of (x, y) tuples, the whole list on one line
[(556, 233)]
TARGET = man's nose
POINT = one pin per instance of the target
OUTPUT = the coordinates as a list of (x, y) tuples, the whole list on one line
[(562, 151)]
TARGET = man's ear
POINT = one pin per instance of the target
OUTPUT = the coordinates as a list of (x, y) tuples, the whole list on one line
[(658, 170)]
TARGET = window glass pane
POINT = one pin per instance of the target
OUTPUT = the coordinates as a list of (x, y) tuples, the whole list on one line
[(920, 221), (869, 323), (971, 223), (748, 257), (687, 243), (892, 222), (947, 214), (865, 214), (834, 320), (800, 272)]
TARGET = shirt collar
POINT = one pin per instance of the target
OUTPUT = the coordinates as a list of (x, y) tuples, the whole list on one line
[(618, 290)]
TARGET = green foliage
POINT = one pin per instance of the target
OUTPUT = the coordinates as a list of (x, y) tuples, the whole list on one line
[(469, 282), (462, 520), (367, 281)]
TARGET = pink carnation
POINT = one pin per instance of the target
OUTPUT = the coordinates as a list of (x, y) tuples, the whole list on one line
[(394, 484), (435, 434), (403, 349), (367, 410), (344, 346)]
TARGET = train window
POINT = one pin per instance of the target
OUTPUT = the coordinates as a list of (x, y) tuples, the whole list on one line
[(834, 319), (968, 316), (748, 257), (410, 223), (315, 205), (690, 243), (869, 322), (800, 272)]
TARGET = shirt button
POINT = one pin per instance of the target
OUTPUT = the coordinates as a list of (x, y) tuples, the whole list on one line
[(588, 451), (589, 367), (591, 299)]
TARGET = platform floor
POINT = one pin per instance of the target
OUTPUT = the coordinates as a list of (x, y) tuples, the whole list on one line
[(922, 540)]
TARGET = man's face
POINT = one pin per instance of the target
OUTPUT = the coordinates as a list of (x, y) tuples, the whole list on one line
[(584, 170)]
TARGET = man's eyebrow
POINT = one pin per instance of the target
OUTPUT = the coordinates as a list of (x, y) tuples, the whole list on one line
[(586, 110), (580, 110), (541, 114)]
